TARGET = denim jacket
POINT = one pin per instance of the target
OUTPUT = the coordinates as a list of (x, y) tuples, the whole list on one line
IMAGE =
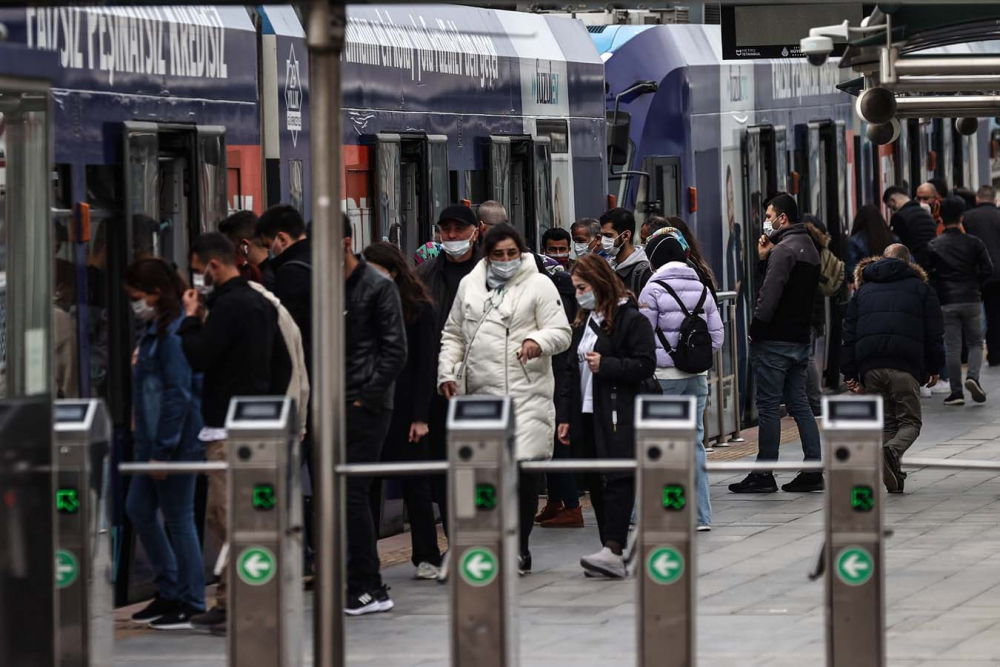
[(167, 399)]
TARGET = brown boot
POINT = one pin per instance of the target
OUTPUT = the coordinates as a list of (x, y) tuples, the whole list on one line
[(567, 518), (550, 511)]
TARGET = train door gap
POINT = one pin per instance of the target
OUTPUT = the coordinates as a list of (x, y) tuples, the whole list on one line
[(663, 194), (520, 177)]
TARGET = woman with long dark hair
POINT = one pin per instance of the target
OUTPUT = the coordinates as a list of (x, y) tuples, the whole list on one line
[(612, 353), (167, 415), (870, 236), (696, 258), (406, 439)]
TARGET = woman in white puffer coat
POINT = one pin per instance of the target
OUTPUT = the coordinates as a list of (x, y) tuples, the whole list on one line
[(505, 326)]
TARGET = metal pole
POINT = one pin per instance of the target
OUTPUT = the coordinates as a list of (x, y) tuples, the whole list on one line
[(173, 467), (941, 66), (579, 465), (326, 25), (735, 353), (954, 464), (394, 469), (775, 466)]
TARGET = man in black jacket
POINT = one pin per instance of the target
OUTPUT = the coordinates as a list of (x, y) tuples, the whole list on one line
[(892, 344), (241, 229), (630, 263), (959, 265), (238, 347), (983, 222), (374, 356), (779, 337), (911, 222)]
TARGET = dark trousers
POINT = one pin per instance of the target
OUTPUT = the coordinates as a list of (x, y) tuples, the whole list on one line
[(991, 300), (419, 503), (366, 429), (612, 495), (527, 494), (900, 406), (779, 372), (562, 485)]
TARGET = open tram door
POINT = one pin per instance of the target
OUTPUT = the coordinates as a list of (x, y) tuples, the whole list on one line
[(520, 178), (411, 189), (175, 189)]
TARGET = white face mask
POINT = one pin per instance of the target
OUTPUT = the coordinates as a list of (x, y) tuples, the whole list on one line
[(199, 285), (609, 247), (587, 300), (504, 271), (768, 227), (581, 249), (143, 310), (457, 249)]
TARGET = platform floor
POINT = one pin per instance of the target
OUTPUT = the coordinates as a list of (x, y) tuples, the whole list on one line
[(756, 605)]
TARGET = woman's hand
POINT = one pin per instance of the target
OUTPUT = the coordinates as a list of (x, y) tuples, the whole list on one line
[(563, 432), (449, 389), (191, 302), (593, 361), (529, 350), (417, 431)]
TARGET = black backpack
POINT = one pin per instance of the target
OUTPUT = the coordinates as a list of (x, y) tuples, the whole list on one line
[(693, 353)]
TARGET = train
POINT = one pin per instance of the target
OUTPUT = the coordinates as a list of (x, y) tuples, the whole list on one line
[(154, 123)]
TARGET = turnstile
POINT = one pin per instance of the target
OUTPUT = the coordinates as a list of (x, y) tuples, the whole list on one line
[(855, 587), (265, 533), (665, 612), (83, 570), (483, 523)]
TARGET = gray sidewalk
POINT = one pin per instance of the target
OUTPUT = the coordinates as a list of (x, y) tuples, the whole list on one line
[(756, 605)]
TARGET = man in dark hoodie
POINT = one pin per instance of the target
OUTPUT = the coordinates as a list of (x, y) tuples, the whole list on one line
[(893, 342), (779, 342)]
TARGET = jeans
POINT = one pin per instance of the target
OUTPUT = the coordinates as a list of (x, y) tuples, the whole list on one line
[(180, 573), (780, 372), (419, 503), (900, 393), (366, 429), (696, 386), (814, 384), (959, 318)]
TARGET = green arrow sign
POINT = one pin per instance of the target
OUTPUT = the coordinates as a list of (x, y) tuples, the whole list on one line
[(673, 497), (67, 502), (665, 565), (486, 496), (862, 498), (479, 566), (855, 566), (263, 497), (256, 565), (67, 568)]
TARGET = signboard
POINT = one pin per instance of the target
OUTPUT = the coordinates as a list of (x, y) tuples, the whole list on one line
[(774, 30)]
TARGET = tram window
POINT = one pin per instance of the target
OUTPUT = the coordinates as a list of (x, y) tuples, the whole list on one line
[(558, 134), (452, 188), (62, 198), (475, 186), (295, 189)]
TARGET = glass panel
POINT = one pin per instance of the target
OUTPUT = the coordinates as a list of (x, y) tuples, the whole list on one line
[(500, 170), (437, 177), (816, 198), (781, 158), (557, 132), (295, 180), (387, 189), (543, 188), (212, 165), (843, 200), (25, 245), (142, 148)]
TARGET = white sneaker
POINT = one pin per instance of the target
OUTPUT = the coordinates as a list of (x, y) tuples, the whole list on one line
[(428, 572), (605, 562), (942, 387), (703, 528), (925, 392)]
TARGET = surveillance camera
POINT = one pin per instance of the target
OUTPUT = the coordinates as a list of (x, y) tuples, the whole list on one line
[(816, 49)]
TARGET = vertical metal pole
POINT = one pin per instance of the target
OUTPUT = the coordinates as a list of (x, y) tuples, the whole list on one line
[(735, 351), (326, 25)]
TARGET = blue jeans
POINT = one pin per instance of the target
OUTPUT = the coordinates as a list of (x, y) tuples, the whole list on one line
[(779, 371), (180, 573), (696, 386)]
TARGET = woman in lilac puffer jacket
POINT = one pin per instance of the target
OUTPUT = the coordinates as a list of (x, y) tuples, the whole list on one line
[(668, 259)]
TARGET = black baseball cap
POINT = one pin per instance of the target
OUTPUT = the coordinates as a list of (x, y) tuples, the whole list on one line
[(458, 213)]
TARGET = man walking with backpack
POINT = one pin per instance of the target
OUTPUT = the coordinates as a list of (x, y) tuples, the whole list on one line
[(779, 342)]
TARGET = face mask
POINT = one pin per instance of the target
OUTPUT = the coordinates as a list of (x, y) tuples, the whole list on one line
[(581, 249), (561, 257), (503, 271), (200, 285), (925, 206), (457, 249), (608, 246), (143, 310), (768, 227), (587, 300)]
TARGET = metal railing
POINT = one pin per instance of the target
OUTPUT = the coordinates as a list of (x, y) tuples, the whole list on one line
[(723, 385), (953, 464)]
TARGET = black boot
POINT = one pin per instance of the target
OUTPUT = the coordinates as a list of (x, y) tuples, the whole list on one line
[(805, 482), (756, 482)]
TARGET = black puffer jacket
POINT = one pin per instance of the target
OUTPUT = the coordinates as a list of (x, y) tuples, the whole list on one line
[(375, 350), (791, 276), (915, 228), (983, 222), (959, 265), (893, 321)]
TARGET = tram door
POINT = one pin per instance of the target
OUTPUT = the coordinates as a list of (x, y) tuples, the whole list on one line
[(175, 189), (916, 155), (520, 178), (26, 316), (411, 189)]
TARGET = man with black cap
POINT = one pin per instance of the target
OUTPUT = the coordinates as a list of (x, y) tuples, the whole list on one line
[(459, 231), (779, 342)]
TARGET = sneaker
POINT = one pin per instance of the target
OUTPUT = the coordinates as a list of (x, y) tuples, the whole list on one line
[(756, 482), (524, 564), (976, 389), (955, 399), (605, 563), (426, 571), (360, 604), (567, 518), (709, 449), (942, 387), (891, 476), (703, 528), (385, 602), (213, 620), (804, 483), (925, 392), (549, 512), (443, 568), (155, 609), (179, 620)]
